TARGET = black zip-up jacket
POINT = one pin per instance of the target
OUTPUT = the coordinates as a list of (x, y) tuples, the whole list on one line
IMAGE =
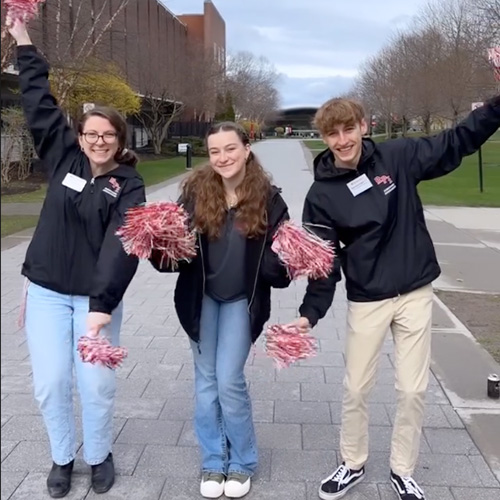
[(262, 266), (387, 248), (74, 249)]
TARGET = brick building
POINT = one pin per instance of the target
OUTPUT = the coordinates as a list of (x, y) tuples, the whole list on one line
[(147, 41)]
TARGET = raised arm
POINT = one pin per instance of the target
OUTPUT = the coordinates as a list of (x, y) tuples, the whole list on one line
[(54, 139), (432, 157)]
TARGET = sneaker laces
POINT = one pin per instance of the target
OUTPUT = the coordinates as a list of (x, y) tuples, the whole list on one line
[(213, 476), (340, 475), (412, 487)]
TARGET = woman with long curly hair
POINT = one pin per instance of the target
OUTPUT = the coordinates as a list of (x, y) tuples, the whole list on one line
[(223, 299)]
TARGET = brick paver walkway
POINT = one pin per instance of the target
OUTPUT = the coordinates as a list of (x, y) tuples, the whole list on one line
[(297, 410)]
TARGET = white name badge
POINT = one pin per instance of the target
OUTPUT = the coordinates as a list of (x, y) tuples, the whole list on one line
[(359, 185), (74, 182)]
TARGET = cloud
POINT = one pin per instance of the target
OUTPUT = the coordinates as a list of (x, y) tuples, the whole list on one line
[(311, 91), (317, 45)]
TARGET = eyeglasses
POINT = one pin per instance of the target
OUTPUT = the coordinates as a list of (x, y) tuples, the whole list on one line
[(93, 137)]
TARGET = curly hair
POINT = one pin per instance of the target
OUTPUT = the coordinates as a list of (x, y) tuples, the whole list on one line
[(205, 189)]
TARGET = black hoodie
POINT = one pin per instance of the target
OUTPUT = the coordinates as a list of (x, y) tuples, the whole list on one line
[(263, 270), (74, 249), (387, 250)]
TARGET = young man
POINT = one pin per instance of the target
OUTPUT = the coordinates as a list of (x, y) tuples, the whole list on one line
[(365, 196)]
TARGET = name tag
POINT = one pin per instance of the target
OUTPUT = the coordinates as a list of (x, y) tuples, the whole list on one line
[(359, 185), (74, 182)]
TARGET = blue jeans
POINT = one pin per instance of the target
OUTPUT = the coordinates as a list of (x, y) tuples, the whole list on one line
[(223, 414), (54, 323)]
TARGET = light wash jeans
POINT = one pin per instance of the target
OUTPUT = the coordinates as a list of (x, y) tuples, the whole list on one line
[(223, 414), (54, 323)]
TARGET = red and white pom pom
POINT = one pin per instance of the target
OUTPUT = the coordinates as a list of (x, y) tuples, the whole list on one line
[(302, 252), (24, 10), (494, 58), (285, 344), (99, 350), (162, 226)]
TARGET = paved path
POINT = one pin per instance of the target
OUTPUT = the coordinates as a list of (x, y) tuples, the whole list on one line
[(467, 243), (297, 410)]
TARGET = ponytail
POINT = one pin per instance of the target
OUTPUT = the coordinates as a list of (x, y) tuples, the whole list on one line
[(127, 157)]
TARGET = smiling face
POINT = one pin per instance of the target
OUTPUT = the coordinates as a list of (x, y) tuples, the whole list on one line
[(99, 141), (345, 142), (228, 155)]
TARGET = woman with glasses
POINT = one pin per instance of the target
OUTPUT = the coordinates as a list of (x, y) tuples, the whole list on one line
[(76, 269)]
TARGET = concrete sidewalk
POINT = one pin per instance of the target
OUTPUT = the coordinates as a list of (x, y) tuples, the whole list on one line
[(297, 410), (467, 242)]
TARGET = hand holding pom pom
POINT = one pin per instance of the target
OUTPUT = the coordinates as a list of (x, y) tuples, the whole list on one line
[(302, 252), (286, 345), (23, 10), (99, 350), (161, 226)]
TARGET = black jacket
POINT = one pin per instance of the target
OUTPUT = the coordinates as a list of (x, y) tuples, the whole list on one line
[(387, 248), (263, 271), (74, 249)]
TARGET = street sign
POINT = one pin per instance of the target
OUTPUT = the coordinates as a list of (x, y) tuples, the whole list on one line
[(476, 105), (182, 147)]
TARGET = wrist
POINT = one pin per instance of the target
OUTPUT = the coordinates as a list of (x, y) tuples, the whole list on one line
[(24, 41)]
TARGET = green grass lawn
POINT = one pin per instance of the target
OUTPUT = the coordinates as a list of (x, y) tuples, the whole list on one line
[(36, 196), (153, 172), (156, 171), (461, 187), (14, 223)]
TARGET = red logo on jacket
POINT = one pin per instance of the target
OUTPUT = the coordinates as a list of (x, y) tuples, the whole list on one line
[(383, 179), (114, 184)]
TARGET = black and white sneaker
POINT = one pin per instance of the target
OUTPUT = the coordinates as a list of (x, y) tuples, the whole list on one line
[(406, 488), (340, 482)]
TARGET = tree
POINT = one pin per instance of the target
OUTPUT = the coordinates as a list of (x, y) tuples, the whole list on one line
[(159, 109), (80, 26), (224, 110), (190, 88), (252, 84), (17, 145), (105, 87), (433, 72)]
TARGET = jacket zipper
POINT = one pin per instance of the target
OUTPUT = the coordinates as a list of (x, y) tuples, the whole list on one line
[(92, 183), (202, 261), (203, 290), (258, 269)]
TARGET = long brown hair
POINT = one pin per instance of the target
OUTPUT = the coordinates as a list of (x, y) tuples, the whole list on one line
[(123, 156), (205, 189)]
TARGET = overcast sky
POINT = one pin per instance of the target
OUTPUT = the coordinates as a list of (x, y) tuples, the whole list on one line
[(316, 45)]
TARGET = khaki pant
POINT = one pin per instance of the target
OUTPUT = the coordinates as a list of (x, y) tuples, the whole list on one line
[(409, 317)]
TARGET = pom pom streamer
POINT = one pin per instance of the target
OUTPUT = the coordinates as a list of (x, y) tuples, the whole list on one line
[(302, 252), (162, 226), (99, 350), (21, 9), (286, 345), (494, 58)]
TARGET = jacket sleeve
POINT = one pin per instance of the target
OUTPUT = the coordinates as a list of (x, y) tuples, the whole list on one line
[(432, 157), (319, 293), (272, 270), (115, 269), (53, 138)]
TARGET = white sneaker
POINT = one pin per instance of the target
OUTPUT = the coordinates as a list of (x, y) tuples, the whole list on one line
[(212, 484), (237, 485)]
